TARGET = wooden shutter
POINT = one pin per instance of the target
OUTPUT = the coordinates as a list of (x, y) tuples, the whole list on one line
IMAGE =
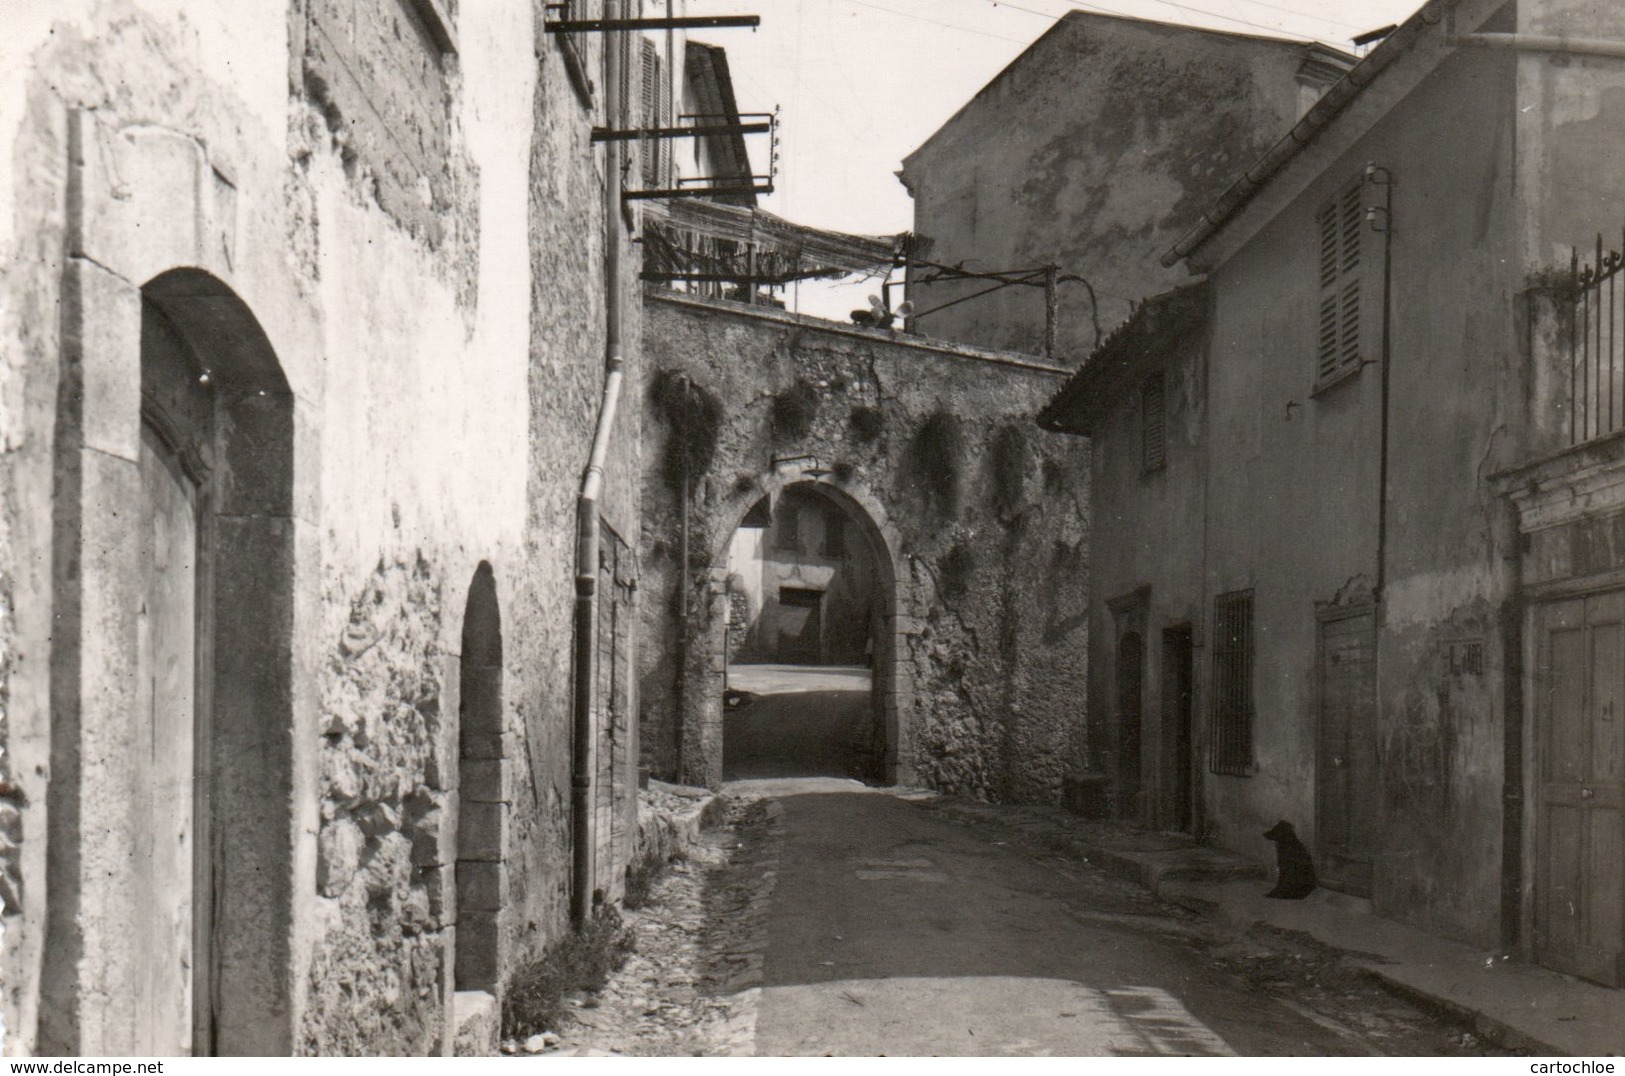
[(1340, 336), (668, 174), (1153, 423), (649, 114)]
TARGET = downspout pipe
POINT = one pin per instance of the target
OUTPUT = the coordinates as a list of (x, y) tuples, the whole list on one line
[(1574, 46), (587, 509)]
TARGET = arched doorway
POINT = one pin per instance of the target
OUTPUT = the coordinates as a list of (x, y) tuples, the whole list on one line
[(169, 926), (482, 793), (212, 700), (808, 595)]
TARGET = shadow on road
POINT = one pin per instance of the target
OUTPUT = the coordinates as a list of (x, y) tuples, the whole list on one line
[(799, 721)]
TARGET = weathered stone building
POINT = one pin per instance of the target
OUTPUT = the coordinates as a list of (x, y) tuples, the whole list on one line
[(1092, 151), (1387, 426), (305, 327), (926, 450)]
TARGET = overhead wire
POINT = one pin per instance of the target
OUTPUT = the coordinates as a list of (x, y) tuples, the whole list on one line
[(945, 25), (1083, 5)]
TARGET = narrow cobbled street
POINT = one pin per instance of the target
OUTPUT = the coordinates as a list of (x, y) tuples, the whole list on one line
[(826, 918)]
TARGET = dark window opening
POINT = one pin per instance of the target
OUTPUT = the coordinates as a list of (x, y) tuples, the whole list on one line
[(834, 534), (788, 534)]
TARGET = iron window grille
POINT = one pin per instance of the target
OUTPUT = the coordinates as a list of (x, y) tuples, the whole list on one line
[(1596, 347), (1232, 706), (1153, 424)]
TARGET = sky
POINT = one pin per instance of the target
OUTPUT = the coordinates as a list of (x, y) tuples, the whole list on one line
[(862, 83)]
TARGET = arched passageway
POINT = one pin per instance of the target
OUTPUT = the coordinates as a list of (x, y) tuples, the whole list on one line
[(808, 591)]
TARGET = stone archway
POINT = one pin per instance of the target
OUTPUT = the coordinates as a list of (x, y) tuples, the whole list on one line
[(702, 741), (174, 809)]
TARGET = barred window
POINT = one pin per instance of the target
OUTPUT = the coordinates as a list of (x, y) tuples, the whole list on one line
[(1232, 705), (1153, 424), (1344, 276)]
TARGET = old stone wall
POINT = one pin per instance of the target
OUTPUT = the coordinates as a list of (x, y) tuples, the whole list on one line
[(335, 170), (983, 533)]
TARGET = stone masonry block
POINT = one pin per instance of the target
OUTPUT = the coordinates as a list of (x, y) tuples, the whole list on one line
[(477, 949), (481, 745), (482, 831), (432, 826), (147, 203), (479, 888), (338, 855), (485, 780), (109, 338), (441, 885)]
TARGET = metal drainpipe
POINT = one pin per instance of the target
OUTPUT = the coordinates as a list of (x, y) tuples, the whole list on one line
[(680, 714), (1384, 180), (592, 488), (1575, 46)]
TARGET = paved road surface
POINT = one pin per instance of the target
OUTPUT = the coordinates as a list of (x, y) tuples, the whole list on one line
[(894, 929), (800, 720)]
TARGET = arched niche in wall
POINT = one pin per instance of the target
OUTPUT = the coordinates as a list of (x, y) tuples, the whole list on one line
[(482, 792)]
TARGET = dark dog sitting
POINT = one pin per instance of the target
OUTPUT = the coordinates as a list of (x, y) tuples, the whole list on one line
[(1295, 871)]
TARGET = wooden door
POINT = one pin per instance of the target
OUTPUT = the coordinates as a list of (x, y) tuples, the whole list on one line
[(1580, 794), (1178, 673), (167, 646), (1130, 722), (1346, 754)]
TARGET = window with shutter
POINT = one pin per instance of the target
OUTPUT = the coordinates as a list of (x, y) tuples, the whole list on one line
[(573, 47), (1153, 424), (668, 174), (1343, 331), (649, 114)]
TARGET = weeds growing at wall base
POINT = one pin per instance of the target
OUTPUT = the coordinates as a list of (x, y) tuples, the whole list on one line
[(538, 996)]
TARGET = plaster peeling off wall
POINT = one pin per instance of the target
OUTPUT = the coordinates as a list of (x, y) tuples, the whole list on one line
[(1441, 746), (374, 980)]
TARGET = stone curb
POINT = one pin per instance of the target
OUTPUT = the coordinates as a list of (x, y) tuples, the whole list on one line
[(1483, 1025), (670, 820)]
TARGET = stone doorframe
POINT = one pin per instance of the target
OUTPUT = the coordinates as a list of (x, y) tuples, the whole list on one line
[(701, 749), (152, 219)]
